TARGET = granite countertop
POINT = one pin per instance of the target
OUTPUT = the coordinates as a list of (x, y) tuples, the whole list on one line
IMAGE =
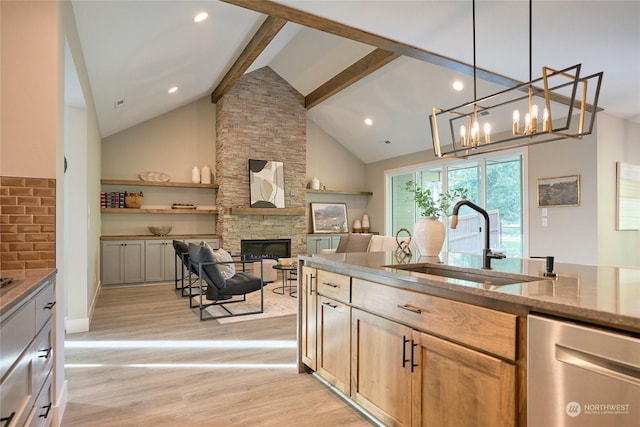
[(602, 295), (23, 284)]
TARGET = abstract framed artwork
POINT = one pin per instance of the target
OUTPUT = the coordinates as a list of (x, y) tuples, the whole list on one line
[(266, 182), (329, 217), (559, 191)]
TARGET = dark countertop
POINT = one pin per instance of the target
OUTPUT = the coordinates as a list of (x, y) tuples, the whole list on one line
[(602, 295), (24, 283)]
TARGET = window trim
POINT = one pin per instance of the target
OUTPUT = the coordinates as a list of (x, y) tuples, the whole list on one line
[(445, 164)]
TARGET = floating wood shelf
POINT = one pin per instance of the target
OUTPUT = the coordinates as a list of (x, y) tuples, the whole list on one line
[(345, 193), (156, 183), (268, 211), (152, 237), (159, 211)]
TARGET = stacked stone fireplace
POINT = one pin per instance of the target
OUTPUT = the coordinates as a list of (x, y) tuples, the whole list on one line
[(261, 118)]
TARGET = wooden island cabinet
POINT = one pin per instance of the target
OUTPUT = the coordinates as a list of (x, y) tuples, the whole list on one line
[(408, 358)]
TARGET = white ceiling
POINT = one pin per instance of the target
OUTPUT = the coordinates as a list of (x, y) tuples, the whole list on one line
[(136, 50)]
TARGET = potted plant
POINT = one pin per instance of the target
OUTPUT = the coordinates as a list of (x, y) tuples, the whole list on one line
[(429, 231)]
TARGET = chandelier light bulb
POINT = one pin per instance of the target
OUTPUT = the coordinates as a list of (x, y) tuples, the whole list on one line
[(534, 118), (545, 120), (516, 122), (487, 133), (463, 136)]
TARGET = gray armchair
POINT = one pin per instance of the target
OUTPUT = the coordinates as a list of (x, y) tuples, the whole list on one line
[(214, 290)]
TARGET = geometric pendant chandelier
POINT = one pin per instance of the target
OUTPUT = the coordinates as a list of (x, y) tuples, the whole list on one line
[(561, 104)]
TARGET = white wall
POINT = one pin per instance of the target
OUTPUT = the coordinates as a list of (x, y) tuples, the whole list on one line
[(338, 169), (172, 143), (617, 142)]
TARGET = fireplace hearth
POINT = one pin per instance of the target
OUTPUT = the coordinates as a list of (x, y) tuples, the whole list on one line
[(265, 248)]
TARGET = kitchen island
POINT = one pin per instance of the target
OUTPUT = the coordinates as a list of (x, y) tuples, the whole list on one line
[(414, 348)]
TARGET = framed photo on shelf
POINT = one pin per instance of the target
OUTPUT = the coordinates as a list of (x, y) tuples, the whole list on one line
[(559, 191), (329, 218)]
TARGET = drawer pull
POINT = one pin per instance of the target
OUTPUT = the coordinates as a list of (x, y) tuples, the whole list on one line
[(48, 408), (49, 306), (47, 352), (311, 277), (410, 308), (330, 284), (7, 420), (328, 304)]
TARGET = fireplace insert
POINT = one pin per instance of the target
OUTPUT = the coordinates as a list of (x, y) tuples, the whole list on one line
[(265, 248)]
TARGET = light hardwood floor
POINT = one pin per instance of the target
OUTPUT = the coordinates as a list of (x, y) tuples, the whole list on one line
[(157, 365)]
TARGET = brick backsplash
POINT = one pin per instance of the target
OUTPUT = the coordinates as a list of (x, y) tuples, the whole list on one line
[(262, 117), (27, 223)]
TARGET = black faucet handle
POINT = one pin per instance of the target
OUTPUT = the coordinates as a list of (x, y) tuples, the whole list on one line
[(548, 266)]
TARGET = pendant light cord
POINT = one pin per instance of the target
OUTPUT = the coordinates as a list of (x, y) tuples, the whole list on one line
[(530, 40), (475, 95)]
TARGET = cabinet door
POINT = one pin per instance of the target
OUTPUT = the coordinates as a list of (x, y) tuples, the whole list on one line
[(308, 311), (158, 260), (334, 343), (133, 261), (315, 244), (335, 240), (382, 365), (112, 269), (456, 386)]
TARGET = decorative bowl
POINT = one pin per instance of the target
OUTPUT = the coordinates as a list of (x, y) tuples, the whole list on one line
[(160, 230)]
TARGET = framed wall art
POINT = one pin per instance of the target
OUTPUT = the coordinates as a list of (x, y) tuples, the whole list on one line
[(559, 191), (329, 218), (266, 182)]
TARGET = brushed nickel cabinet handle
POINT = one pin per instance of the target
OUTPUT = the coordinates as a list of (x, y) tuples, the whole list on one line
[(404, 350), (410, 308), (330, 284)]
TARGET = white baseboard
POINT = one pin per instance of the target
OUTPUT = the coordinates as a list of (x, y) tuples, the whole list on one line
[(61, 405), (73, 326)]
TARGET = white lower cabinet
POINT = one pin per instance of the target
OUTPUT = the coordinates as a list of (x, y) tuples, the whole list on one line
[(122, 261), (26, 394), (159, 263), (138, 261)]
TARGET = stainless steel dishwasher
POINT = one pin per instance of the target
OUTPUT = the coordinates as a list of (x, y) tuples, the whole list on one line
[(581, 376)]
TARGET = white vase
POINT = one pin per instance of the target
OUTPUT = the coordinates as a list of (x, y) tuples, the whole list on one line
[(429, 234), (365, 223)]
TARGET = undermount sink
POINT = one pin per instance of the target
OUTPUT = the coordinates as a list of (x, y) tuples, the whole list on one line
[(483, 277)]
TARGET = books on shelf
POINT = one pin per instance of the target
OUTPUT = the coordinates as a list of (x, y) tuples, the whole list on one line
[(111, 199)]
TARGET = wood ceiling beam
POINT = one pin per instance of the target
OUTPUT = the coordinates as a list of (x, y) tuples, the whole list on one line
[(267, 32), (322, 24), (362, 68)]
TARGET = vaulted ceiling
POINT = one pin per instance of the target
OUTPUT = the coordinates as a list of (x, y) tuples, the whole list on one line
[(389, 60)]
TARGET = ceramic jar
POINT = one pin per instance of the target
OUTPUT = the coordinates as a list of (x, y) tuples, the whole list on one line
[(429, 235)]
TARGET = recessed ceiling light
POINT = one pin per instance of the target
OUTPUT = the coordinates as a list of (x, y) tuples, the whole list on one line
[(173, 89), (368, 121), (457, 85), (201, 17)]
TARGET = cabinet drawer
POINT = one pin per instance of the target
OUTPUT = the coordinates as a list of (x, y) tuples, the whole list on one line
[(44, 306), (15, 335), (42, 356), (16, 392), (42, 411), (333, 285), (479, 327)]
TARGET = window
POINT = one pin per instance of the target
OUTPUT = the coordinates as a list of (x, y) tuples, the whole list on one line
[(494, 183)]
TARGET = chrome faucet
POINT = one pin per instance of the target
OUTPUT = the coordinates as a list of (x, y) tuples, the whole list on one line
[(487, 254)]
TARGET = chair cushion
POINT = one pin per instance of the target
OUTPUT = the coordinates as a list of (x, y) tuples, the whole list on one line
[(182, 250), (220, 255), (211, 274), (354, 243)]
